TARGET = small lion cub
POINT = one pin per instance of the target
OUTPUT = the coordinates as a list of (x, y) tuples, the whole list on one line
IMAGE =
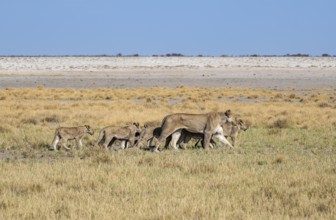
[(64, 134)]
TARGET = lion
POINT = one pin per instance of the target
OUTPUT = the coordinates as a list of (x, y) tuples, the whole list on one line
[(208, 124), (110, 134), (147, 135), (180, 138), (230, 129), (64, 134)]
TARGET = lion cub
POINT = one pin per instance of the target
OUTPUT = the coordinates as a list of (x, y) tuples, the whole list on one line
[(110, 134), (230, 129), (147, 135), (64, 134)]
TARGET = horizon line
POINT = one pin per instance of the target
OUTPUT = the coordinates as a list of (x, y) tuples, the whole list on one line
[(174, 55)]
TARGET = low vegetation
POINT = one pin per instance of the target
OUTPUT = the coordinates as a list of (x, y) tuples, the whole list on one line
[(283, 168)]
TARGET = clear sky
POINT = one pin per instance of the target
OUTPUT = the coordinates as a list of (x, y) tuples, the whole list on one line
[(148, 27)]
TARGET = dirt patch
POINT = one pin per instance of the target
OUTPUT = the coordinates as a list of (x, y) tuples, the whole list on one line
[(5, 155), (129, 72)]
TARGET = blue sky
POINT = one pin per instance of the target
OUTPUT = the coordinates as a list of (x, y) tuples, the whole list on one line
[(147, 27)]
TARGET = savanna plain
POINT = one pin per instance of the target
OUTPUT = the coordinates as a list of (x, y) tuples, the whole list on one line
[(284, 166)]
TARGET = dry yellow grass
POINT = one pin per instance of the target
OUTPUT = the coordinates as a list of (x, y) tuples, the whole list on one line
[(284, 167)]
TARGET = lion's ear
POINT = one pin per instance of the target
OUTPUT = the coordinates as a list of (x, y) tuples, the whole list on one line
[(228, 112), (87, 126), (136, 124), (145, 126)]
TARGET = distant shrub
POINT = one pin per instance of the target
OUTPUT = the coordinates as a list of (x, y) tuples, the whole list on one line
[(255, 96), (297, 55), (40, 87), (279, 159), (32, 121), (292, 96), (323, 105), (280, 123), (325, 55), (174, 55), (278, 95), (262, 162), (52, 119)]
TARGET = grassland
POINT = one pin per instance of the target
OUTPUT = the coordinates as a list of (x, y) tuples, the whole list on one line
[(283, 168)]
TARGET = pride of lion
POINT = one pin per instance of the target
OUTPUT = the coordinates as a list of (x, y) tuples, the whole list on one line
[(176, 130)]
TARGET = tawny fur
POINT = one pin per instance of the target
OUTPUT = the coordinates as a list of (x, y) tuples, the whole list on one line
[(186, 136), (64, 134), (147, 135), (207, 124), (125, 134), (230, 129)]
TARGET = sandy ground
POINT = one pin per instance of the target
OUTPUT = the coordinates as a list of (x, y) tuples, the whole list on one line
[(124, 72)]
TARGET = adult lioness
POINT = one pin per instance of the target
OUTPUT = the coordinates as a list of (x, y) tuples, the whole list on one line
[(208, 124), (64, 134), (125, 134)]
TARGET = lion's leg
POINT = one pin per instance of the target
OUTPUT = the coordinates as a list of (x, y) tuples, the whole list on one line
[(157, 143), (64, 144), (183, 140), (197, 142), (150, 142), (108, 142), (141, 144), (163, 136), (168, 140), (175, 137), (123, 144), (234, 140), (131, 141), (100, 138), (212, 143), (79, 142), (223, 140), (55, 142), (206, 139)]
